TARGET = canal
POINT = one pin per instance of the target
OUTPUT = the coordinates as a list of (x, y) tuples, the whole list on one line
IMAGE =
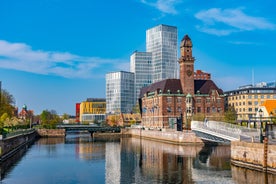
[(78, 159)]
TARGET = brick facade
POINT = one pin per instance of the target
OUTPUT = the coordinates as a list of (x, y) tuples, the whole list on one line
[(164, 102)]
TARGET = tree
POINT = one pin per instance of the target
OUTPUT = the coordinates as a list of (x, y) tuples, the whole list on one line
[(230, 114), (6, 103), (49, 119)]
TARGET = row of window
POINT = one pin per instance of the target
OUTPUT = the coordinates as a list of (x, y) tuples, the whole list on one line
[(252, 96), (248, 103)]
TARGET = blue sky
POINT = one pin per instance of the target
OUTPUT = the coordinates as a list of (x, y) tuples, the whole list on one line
[(54, 53)]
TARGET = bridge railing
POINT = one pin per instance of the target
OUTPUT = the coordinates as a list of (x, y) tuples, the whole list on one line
[(227, 129)]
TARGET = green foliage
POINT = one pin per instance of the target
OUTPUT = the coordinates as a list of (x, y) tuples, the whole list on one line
[(49, 119), (230, 115), (199, 117), (65, 116), (6, 103)]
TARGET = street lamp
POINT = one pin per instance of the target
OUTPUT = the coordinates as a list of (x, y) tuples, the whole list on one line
[(270, 115), (261, 126)]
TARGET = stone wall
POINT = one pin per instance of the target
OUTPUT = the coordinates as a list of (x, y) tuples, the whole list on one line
[(51, 132), (10, 145), (173, 137), (258, 156)]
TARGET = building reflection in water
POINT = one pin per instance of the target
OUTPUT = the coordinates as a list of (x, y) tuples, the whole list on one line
[(144, 161)]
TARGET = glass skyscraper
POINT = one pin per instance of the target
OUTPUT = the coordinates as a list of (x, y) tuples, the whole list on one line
[(141, 66), (119, 92), (161, 41)]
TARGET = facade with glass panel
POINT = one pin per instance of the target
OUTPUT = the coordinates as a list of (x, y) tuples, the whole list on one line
[(161, 41), (119, 92), (141, 66)]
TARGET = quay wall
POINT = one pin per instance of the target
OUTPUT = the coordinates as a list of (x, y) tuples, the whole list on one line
[(257, 156), (51, 132), (10, 145), (173, 137)]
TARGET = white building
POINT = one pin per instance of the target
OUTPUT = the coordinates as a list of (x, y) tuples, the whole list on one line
[(119, 92), (161, 41), (141, 66)]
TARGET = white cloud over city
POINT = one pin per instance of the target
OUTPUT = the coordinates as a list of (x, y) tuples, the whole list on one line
[(165, 6), (222, 22), (20, 56)]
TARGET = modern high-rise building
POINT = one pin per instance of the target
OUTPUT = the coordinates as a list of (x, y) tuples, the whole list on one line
[(119, 92), (161, 41), (141, 66)]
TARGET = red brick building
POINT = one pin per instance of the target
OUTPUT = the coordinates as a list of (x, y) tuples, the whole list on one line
[(163, 102), (200, 75)]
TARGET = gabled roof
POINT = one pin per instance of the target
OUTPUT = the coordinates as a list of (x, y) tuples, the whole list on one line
[(270, 106), (168, 84), (205, 86)]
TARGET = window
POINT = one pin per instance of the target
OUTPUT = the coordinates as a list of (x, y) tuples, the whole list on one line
[(198, 110), (249, 102), (169, 99), (198, 100)]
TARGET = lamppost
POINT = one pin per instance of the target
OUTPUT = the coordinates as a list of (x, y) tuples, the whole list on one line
[(266, 128), (261, 126)]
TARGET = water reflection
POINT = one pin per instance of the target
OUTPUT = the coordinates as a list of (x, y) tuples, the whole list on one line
[(80, 159)]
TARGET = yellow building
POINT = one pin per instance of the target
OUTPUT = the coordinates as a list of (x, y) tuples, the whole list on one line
[(92, 110), (247, 99)]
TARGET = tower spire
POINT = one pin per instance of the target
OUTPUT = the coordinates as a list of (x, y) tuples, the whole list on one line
[(186, 62)]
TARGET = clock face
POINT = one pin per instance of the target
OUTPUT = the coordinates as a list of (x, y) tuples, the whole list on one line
[(189, 72)]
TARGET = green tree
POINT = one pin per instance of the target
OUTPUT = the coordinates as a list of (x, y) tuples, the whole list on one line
[(230, 115), (49, 119), (6, 103)]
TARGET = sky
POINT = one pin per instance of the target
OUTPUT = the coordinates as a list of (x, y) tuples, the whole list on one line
[(55, 53)]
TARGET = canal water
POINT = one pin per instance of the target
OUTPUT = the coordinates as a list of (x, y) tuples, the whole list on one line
[(78, 159)]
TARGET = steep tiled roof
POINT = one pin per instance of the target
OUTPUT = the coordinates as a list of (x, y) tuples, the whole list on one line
[(205, 86), (270, 106), (168, 84)]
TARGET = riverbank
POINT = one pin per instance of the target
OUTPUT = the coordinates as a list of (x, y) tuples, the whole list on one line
[(10, 145), (167, 136), (256, 156), (51, 132)]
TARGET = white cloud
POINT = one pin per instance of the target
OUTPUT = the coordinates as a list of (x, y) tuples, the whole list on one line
[(230, 20), (165, 6), (20, 56)]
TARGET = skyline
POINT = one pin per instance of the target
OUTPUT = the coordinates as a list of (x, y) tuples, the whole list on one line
[(55, 53)]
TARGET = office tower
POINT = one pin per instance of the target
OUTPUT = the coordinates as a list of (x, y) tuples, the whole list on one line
[(119, 92), (141, 66), (161, 41)]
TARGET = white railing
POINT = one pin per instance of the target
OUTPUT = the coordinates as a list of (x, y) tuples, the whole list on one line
[(225, 130)]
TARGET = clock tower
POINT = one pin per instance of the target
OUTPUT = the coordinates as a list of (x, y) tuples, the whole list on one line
[(186, 62)]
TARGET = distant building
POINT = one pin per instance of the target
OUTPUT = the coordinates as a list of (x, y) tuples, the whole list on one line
[(247, 99), (93, 110), (119, 92), (141, 66), (268, 108), (200, 75), (161, 41), (164, 102), (77, 112)]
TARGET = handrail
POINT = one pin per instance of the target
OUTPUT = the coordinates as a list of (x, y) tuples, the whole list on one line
[(227, 129)]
